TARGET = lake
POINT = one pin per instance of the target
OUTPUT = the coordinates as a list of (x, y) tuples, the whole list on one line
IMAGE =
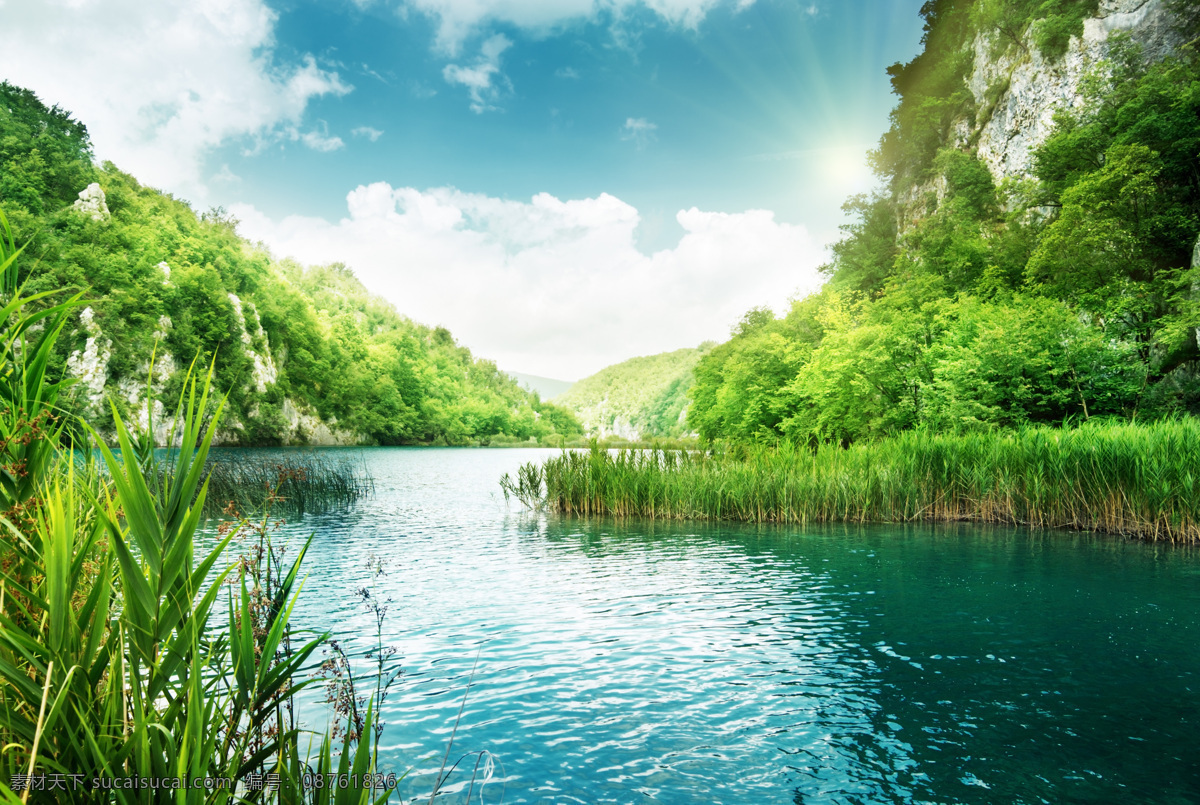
[(634, 661)]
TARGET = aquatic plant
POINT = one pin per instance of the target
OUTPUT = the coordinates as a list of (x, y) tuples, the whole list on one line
[(338, 669), (1131, 479), (300, 482), (110, 670)]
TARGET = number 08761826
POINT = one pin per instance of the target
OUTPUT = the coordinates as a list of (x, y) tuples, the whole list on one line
[(377, 781)]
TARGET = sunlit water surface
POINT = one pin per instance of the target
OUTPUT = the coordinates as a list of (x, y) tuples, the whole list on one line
[(630, 662)]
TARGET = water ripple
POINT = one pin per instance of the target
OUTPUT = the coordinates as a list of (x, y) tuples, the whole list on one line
[(629, 662)]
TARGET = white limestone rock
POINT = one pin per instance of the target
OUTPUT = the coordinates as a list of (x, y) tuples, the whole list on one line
[(164, 327), (89, 366), (306, 427), (1023, 116), (264, 371), (229, 432), (622, 428), (1017, 93), (1196, 282), (133, 390), (92, 203), (237, 311)]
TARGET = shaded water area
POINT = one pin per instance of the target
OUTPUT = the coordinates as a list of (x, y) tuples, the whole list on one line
[(633, 661)]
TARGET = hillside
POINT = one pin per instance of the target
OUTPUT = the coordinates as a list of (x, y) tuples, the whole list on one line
[(547, 387), (641, 398), (307, 355), (1028, 257)]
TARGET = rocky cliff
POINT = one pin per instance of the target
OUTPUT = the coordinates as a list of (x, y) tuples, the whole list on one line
[(1017, 89)]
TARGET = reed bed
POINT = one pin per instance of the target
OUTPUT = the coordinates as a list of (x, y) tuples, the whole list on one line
[(1137, 480), (306, 482)]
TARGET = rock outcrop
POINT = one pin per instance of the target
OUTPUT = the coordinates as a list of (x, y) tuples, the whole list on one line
[(1017, 93), (264, 365), (1196, 282), (92, 203), (305, 427), (89, 366)]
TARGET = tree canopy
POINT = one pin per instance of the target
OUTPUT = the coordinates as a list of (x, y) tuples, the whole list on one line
[(291, 344), (1068, 295)]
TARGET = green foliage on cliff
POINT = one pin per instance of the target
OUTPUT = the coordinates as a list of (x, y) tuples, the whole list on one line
[(1067, 296), (642, 397), (932, 88), (1051, 23), (296, 348)]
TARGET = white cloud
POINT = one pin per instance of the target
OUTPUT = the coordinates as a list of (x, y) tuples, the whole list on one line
[(226, 176), (421, 90), (160, 84), (638, 129), (483, 81), (566, 72), (371, 133), (458, 19), (321, 142), (552, 287), (318, 140)]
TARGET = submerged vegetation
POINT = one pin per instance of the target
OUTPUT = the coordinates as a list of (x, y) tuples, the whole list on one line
[(1133, 480)]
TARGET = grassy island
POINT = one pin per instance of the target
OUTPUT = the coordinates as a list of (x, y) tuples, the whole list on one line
[(1129, 479)]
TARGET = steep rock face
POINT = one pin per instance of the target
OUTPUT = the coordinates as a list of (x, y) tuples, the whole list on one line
[(305, 427), (1196, 283), (89, 368), (133, 389), (617, 426), (264, 365), (1017, 93)]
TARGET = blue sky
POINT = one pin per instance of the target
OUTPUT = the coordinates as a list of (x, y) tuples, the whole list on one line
[(563, 183)]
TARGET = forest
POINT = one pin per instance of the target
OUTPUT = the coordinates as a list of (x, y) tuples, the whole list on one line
[(298, 349), (641, 398), (1022, 351), (956, 303), (1018, 348)]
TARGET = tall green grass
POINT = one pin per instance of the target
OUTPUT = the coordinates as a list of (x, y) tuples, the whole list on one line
[(291, 484), (108, 666), (1130, 479)]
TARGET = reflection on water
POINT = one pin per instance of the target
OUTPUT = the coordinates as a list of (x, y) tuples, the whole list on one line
[(633, 661)]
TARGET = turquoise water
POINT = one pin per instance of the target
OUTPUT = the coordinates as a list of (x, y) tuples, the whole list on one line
[(630, 662)]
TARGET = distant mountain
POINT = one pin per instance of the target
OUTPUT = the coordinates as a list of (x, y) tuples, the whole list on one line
[(641, 398), (546, 387)]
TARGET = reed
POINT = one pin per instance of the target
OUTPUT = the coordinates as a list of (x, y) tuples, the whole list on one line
[(112, 615), (1137, 480), (127, 651), (299, 483)]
